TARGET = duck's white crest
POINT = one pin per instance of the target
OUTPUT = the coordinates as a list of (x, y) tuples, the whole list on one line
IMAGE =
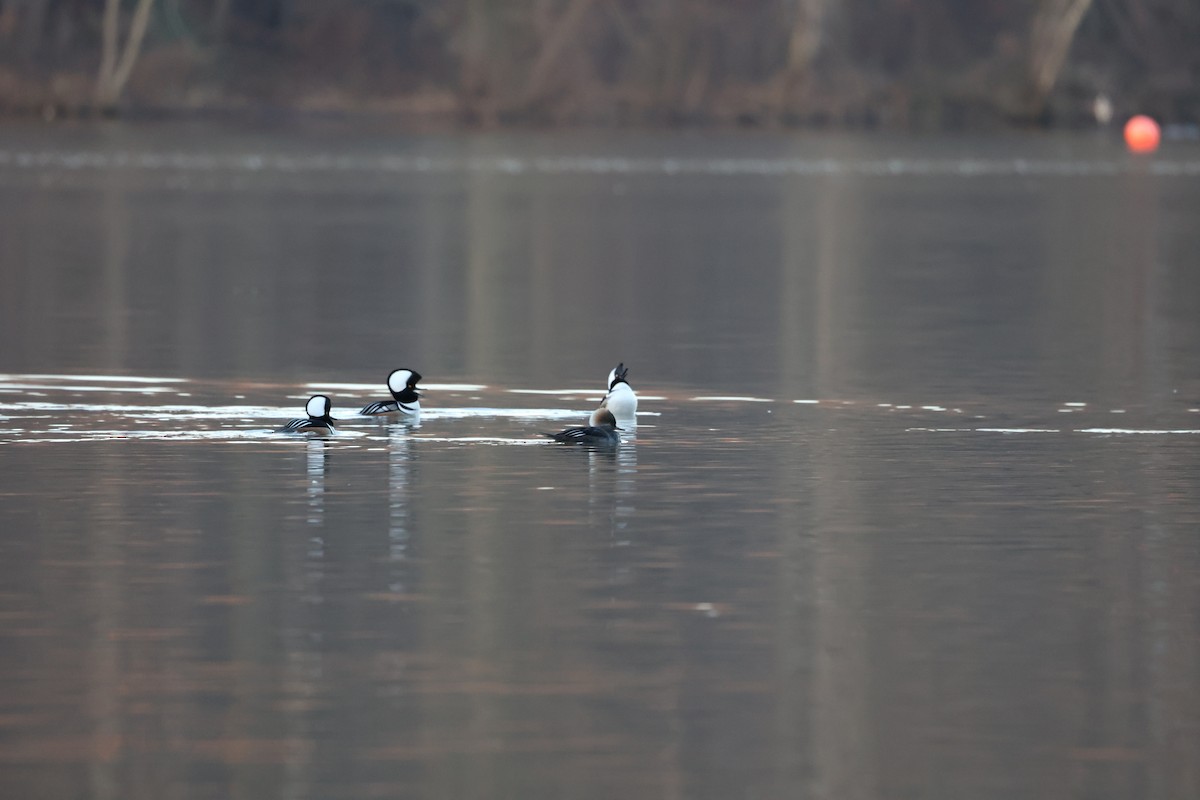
[(318, 405), (399, 379)]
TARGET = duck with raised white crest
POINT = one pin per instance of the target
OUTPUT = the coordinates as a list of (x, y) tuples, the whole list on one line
[(405, 402), (318, 420), (620, 398)]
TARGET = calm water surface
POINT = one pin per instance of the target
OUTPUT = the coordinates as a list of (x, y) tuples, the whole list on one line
[(912, 508)]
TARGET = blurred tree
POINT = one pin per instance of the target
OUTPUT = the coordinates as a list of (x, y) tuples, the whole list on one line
[(560, 34), (924, 63), (476, 86), (807, 34), (116, 61), (1051, 33)]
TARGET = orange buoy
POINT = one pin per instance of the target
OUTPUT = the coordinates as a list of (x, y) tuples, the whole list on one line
[(1142, 134)]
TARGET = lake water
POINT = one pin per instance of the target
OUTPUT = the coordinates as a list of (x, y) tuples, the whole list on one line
[(911, 508)]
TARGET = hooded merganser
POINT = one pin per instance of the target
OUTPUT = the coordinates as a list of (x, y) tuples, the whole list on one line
[(319, 421), (402, 383), (620, 399), (602, 430)]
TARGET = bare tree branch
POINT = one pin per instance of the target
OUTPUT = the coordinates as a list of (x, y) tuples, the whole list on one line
[(133, 44), (1054, 27), (805, 40), (563, 32), (806, 36), (116, 63), (108, 55)]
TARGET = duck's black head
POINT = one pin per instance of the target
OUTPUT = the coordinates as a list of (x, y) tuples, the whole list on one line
[(402, 383), (618, 375), (318, 408)]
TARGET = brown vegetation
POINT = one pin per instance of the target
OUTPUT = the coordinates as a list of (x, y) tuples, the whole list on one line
[(752, 62)]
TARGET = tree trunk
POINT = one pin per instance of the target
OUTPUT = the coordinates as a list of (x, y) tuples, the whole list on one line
[(110, 33), (807, 35), (476, 82), (804, 44), (1054, 25), (116, 62), (562, 33)]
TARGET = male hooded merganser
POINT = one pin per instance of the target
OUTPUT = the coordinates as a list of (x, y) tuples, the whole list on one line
[(402, 383), (620, 399), (602, 430), (318, 421)]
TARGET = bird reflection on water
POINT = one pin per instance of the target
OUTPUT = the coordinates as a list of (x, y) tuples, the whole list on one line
[(317, 456), (612, 484), (400, 463)]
